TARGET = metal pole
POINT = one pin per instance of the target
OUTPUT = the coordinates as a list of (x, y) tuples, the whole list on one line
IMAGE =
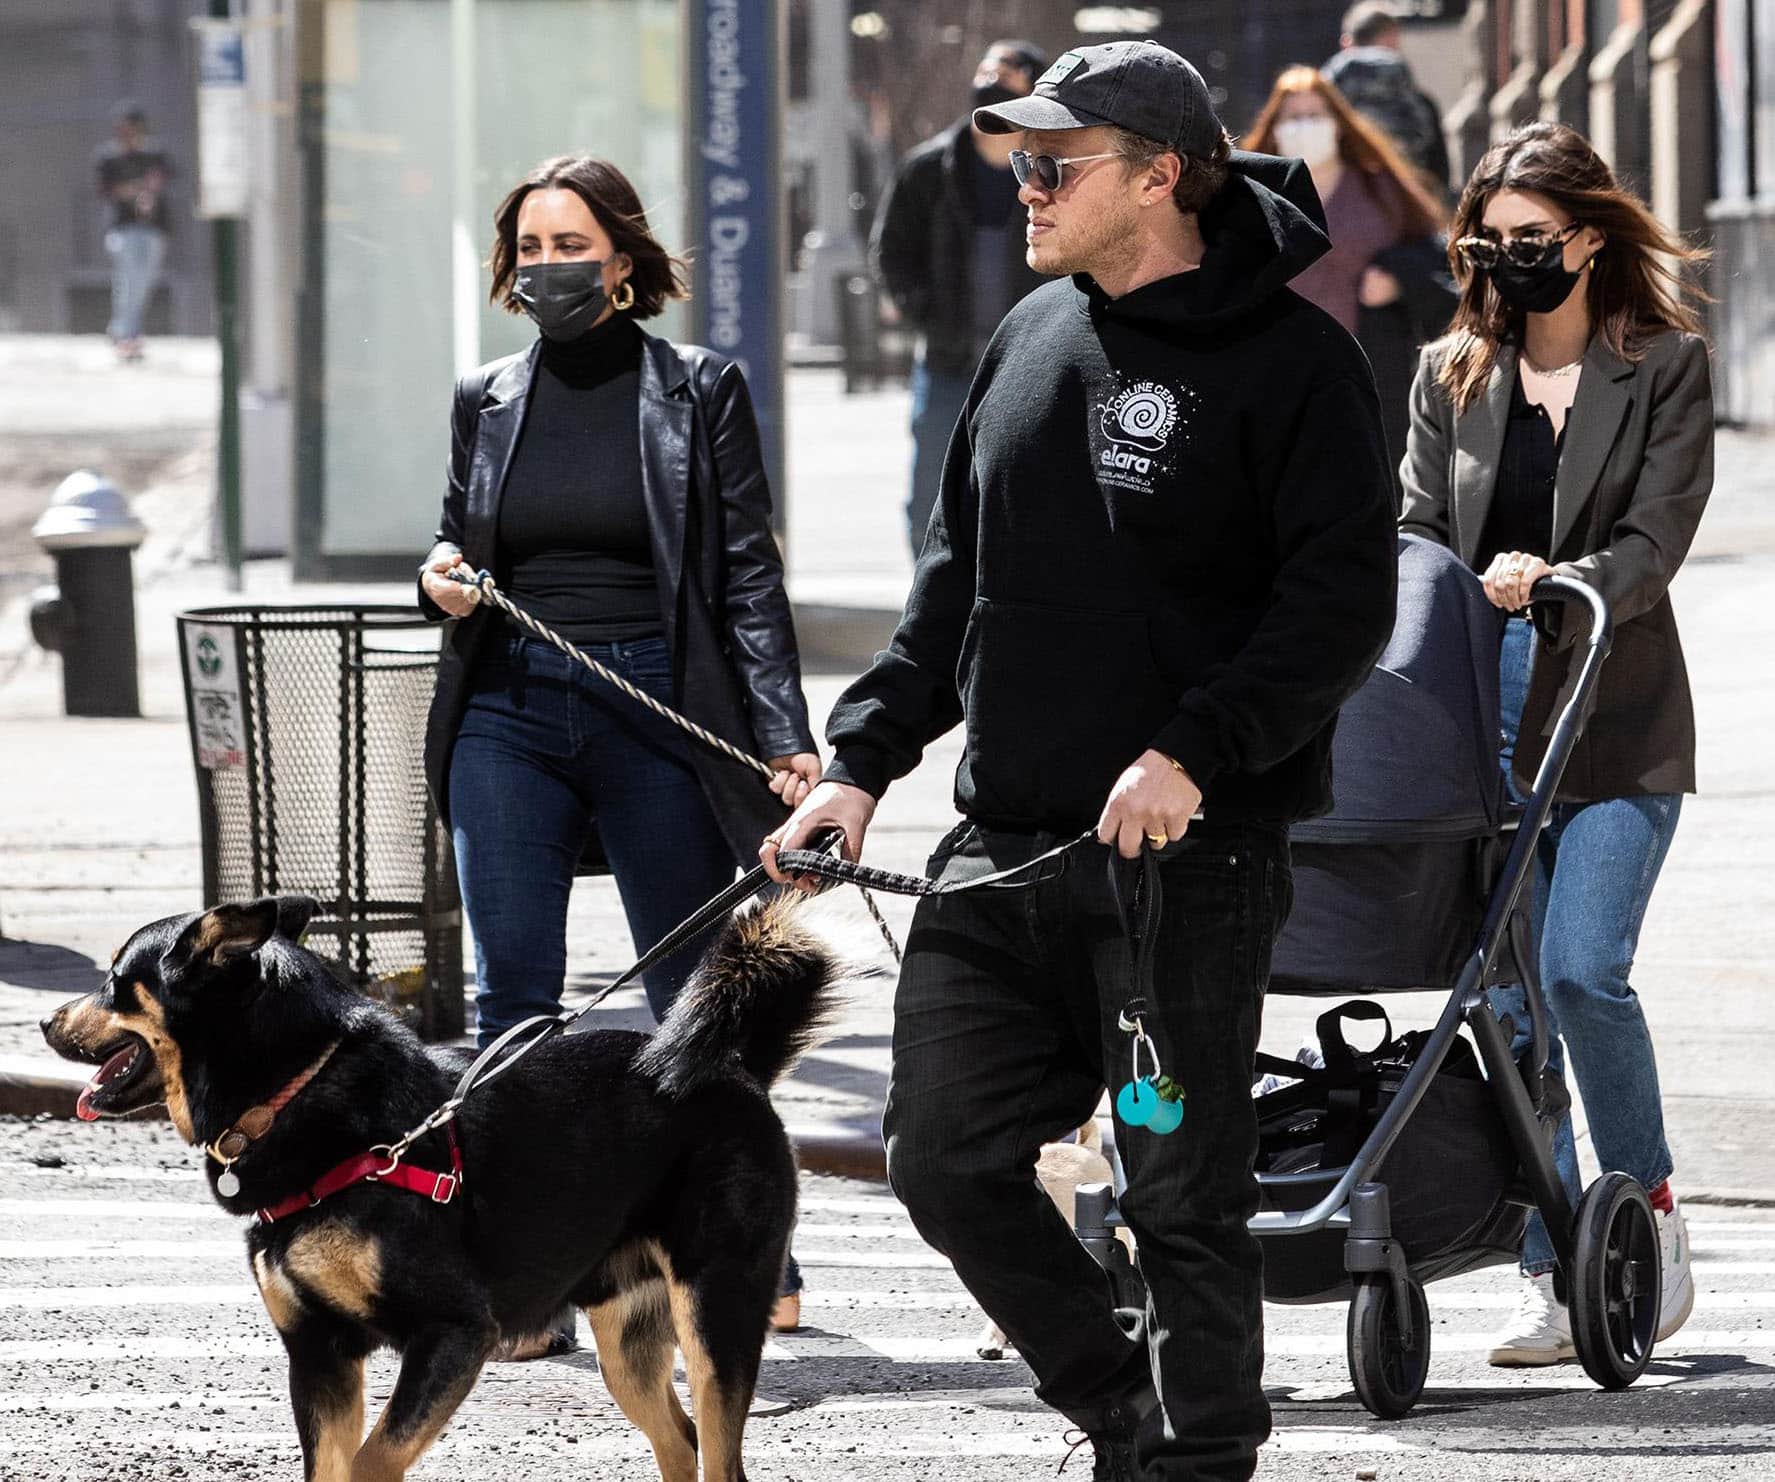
[(227, 245), (227, 249)]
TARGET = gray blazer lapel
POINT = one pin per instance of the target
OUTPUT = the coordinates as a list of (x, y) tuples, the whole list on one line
[(1479, 443), (1605, 394)]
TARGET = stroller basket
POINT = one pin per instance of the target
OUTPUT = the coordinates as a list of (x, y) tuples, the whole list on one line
[(1456, 1202)]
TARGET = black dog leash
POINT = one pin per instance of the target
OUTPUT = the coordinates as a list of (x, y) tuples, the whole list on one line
[(823, 863), (482, 588)]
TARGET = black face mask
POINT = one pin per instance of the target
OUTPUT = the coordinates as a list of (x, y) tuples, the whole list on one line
[(990, 94), (1539, 289), (564, 298)]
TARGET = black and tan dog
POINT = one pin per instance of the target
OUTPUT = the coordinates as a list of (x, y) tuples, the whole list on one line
[(647, 1181)]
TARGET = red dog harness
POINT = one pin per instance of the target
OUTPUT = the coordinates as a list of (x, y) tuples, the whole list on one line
[(374, 1167)]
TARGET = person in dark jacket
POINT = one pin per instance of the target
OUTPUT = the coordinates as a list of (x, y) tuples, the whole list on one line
[(132, 171), (613, 484), (1369, 70), (1163, 558), (1566, 425), (1386, 277), (948, 248)]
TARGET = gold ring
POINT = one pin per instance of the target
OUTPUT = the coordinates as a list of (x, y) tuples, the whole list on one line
[(1158, 841)]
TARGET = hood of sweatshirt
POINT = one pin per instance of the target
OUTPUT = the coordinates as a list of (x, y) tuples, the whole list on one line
[(1264, 228)]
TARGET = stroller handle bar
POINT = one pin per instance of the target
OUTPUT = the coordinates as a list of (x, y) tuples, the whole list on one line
[(1468, 1003)]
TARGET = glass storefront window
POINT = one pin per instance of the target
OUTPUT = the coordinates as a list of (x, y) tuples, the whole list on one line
[(418, 116)]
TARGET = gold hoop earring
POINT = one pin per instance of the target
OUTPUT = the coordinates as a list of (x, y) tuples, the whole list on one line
[(624, 297)]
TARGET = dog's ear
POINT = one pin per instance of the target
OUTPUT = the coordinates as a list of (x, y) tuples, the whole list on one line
[(294, 912), (224, 933)]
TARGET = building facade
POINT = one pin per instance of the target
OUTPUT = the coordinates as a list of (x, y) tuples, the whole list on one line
[(1679, 97)]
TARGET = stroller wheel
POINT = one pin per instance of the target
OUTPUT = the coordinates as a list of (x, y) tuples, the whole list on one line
[(1616, 1278), (1389, 1369)]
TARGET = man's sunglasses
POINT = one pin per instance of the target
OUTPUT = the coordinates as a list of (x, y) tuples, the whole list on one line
[(1048, 170), (1530, 250)]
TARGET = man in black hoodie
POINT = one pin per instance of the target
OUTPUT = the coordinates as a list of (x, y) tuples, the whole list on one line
[(1162, 559)]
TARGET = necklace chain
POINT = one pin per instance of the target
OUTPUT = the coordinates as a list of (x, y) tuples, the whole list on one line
[(1552, 371)]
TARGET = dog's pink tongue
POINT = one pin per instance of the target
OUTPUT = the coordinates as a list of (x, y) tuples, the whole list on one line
[(113, 1067)]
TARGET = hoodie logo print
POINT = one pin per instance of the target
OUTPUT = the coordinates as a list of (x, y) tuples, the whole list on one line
[(1141, 417), (1137, 430)]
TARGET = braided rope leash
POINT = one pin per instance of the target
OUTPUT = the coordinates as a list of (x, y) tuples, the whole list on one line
[(482, 588)]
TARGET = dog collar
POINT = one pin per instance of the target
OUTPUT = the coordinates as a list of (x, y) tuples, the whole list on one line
[(375, 1166), (255, 1121)]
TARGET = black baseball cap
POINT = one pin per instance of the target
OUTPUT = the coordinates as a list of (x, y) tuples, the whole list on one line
[(1135, 85)]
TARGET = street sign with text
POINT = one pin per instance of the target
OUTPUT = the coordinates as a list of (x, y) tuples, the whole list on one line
[(736, 202)]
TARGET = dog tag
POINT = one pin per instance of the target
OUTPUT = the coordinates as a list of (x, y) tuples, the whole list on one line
[(227, 1185)]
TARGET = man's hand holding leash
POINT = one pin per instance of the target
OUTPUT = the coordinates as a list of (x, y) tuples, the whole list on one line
[(1153, 802), (831, 805)]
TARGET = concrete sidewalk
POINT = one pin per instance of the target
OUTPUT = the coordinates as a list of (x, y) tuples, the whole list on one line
[(98, 819)]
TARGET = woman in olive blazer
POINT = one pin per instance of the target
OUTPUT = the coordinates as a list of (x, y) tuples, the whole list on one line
[(1566, 424)]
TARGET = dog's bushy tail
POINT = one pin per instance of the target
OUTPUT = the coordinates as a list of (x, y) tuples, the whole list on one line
[(758, 1000)]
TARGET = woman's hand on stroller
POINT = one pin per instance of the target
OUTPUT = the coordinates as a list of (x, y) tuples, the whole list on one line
[(1151, 803), (1511, 577)]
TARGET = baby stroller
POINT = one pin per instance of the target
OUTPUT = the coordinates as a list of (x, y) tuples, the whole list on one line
[(1385, 1170)]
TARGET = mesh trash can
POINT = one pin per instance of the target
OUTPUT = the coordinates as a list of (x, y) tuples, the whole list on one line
[(308, 732)]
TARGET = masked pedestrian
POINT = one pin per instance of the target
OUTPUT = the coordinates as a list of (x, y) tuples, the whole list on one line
[(613, 484), (1163, 557), (1386, 277), (1566, 424)]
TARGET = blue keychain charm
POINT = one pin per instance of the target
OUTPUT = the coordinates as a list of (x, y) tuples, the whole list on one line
[(1152, 1101), (1167, 1116), (1136, 1103)]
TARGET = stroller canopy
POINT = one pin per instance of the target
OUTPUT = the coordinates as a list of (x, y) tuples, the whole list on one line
[(1416, 750)]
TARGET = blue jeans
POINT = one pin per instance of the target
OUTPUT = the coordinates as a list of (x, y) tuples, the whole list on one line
[(545, 748), (136, 255), (1595, 866), (937, 401)]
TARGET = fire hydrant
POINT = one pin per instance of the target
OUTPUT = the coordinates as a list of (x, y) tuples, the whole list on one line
[(89, 615)]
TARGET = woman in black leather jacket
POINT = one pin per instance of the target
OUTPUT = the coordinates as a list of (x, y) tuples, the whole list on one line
[(612, 482)]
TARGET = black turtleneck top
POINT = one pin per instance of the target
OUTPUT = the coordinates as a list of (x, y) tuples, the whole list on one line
[(574, 547)]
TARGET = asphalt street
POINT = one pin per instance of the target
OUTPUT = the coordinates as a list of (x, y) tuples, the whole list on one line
[(133, 1346)]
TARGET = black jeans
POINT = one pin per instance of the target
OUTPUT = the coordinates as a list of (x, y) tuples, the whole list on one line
[(1004, 1037)]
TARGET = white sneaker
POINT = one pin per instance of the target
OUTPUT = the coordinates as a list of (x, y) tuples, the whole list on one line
[(1539, 1334), (1679, 1275)]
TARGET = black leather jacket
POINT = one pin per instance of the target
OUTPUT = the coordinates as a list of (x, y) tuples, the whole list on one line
[(719, 572), (921, 250)]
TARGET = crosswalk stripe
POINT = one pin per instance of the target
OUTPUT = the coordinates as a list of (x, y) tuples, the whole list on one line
[(123, 1172), (805, 1346), (177, 1250), (123, 1249), (617, 1444), (882, 1205), (113, 1209), (55, 1298), (823, 1299)]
